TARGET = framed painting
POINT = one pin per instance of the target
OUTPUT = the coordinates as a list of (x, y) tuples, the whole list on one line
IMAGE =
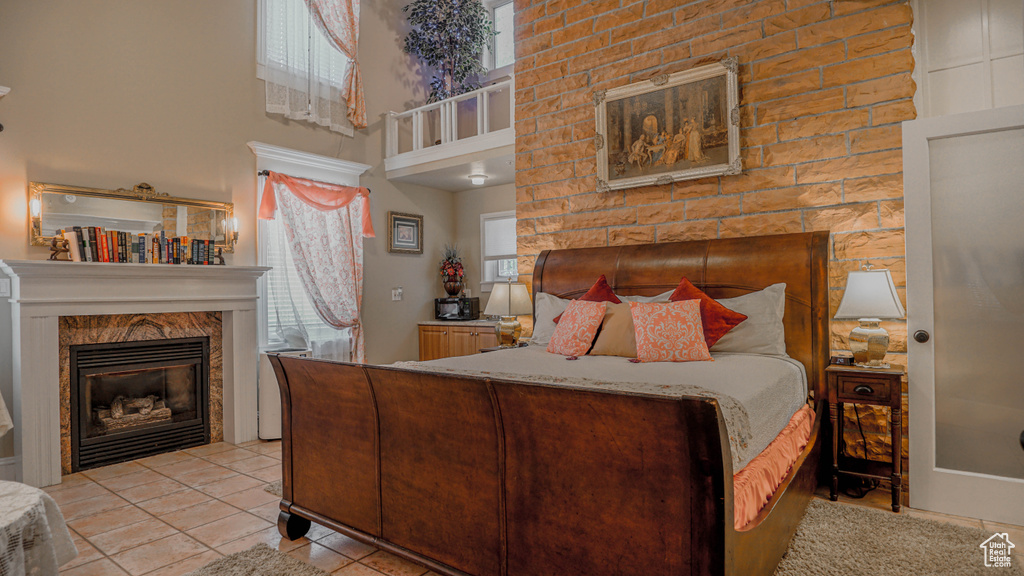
[(672, 127), (405, 233)]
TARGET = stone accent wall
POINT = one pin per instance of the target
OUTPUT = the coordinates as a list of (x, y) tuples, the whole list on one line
[(824, 86)]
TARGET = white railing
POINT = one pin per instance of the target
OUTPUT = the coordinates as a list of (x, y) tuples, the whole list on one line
[(449, 118)]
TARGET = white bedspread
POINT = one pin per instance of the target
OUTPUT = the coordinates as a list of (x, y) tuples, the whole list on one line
[(757, 394)]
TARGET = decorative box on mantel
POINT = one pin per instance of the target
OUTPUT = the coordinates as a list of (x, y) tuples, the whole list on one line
[(44, 291)]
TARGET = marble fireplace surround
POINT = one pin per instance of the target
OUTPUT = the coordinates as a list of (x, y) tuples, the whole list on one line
[(136, 328), (42, 292)]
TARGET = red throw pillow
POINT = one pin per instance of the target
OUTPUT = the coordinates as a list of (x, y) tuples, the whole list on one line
[(717, 319), (599, 292)]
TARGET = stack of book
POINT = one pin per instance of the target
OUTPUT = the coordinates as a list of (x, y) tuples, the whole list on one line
[(94, 244)]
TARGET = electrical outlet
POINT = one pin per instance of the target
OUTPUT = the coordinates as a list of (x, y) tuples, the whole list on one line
[(396, 294), (5, 287), (468, 293)]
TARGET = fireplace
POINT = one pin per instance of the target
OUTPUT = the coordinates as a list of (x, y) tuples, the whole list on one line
[(130, 400)]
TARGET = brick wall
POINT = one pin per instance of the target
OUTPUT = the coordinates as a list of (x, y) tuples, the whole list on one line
[(824, 86)]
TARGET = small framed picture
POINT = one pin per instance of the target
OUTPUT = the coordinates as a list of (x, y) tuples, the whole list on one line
[(405, 233), (672, 127)]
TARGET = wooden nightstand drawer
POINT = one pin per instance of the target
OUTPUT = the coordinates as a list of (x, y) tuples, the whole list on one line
[(852, 389)]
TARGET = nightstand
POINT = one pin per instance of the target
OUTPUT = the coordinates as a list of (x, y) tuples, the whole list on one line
[(876, 387)]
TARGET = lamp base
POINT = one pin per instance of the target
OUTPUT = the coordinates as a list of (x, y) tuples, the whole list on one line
[(508, 330), (869, 342)]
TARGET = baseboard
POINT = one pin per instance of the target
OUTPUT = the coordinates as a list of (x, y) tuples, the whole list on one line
[(9, 469)]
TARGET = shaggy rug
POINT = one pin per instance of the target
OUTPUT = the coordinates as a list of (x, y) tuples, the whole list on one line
[(274, 488), (843, 540), (260, 560)]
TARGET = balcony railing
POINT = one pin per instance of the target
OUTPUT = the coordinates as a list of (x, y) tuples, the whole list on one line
[(482, 119)]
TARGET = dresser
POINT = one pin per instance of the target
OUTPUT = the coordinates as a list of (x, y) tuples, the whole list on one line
[(443, 339)]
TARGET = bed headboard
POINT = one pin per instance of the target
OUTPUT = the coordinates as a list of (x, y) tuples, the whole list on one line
[(722, 268)]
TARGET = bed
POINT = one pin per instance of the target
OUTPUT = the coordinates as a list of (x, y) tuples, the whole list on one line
[(474, 471)]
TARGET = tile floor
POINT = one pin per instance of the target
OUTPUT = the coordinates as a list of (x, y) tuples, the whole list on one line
[(170, 514)]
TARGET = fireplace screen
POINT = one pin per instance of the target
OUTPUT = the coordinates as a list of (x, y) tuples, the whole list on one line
[(136, 399)]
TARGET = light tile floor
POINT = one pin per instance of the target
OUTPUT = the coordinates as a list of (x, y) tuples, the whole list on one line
[(170, 514)]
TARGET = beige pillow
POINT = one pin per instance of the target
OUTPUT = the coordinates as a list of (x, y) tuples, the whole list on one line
[(617, 336)]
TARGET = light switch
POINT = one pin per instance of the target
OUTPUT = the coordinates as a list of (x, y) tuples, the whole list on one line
[(468, 293), (396, 294), (5, 287)]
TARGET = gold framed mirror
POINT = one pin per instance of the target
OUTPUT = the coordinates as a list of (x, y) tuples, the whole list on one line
[(141, 210)]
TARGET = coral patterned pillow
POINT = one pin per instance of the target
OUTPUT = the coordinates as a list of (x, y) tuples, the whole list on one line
[(599, 292), (577, 329), (715, 318), (669, 332)]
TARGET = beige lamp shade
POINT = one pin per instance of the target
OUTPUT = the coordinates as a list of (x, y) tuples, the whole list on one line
[(870, 294), (509, 299)]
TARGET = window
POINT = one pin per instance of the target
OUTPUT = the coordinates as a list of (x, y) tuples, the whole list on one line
[(290, 315), (498, 246), (502, 52), (286, 315), (303, 70)]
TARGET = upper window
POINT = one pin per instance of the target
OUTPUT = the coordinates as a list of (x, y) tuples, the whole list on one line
[(293, 43), (498, 239), (304, 72), (504, 45)]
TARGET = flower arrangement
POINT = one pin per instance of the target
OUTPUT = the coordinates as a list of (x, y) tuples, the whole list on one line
[(451, 264)]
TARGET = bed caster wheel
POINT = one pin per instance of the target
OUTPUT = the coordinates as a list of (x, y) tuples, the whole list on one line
[(291, 526)]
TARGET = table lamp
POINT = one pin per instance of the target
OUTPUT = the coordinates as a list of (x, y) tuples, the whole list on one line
[(870, 296), (508, 300)]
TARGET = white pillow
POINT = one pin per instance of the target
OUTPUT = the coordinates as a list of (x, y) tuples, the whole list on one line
[(546, 307), (762, 332), (663, 297)]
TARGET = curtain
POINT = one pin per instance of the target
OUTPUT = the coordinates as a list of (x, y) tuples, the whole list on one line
[(339, 21), (305, 73), (293, 321), (325, 225)]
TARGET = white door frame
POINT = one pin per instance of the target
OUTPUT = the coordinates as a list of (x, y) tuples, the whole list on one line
[(948, 491)]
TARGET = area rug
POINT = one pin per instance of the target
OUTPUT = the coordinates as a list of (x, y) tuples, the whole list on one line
[(260, 560), (275, 488), (843, 540)]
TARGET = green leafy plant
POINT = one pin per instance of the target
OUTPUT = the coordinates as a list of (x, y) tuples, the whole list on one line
[(449, 36)]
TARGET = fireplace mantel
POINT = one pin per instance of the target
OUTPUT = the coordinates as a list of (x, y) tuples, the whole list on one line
[(42, 291)]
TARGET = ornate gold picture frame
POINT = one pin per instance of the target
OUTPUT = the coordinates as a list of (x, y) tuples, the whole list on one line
[(61, 206), (672, 127)]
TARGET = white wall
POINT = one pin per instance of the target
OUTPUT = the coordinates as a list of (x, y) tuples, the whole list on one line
[(970, 55), (110, 93)]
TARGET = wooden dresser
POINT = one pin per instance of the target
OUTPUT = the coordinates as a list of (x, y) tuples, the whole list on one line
[(441, 339)]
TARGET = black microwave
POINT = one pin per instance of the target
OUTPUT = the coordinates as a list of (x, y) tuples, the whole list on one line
[(456, 308)]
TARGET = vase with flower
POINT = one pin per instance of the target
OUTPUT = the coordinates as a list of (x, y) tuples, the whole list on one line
[(452, 272)]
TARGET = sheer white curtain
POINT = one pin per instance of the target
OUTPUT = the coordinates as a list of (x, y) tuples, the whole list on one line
[(303, 71)]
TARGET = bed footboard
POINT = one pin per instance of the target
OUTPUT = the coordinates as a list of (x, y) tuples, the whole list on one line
[(485, 477)]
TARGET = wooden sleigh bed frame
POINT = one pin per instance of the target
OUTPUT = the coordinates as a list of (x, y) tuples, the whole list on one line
[(478, 476)]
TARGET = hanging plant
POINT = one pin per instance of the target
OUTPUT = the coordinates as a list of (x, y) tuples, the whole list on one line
[(449, 36)]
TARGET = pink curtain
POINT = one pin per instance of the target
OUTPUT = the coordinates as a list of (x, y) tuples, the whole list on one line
[(339, 21), (325, 226)]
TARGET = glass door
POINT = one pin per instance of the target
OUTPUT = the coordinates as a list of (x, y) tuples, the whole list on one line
[(964, 195)]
